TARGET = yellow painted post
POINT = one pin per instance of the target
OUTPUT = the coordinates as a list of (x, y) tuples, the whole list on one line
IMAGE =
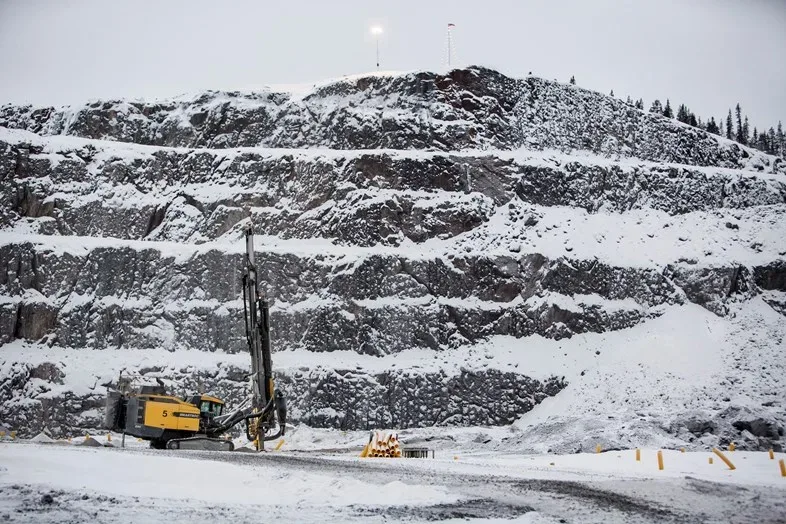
[(69, 439), (2, 434), (782, 464), (109, 437), (732, 447), (723, 458), (709, 460), (660, 460), (598, 449), (13, 435), (638, 455), (280, 443), (772, 455), (682, 450)]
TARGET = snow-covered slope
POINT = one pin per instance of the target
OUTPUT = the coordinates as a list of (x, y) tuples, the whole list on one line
[(440, 250)]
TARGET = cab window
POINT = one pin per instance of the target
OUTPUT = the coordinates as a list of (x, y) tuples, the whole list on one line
[(210, 408)]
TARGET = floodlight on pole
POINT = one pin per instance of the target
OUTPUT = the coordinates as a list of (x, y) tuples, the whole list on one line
[(376, 31)]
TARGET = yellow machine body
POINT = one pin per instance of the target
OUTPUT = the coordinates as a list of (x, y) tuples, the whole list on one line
[(171, 413)]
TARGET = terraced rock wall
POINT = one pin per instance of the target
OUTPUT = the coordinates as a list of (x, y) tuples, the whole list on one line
[(121, 242)]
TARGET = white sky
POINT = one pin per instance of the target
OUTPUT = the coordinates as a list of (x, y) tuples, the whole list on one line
[(708, 54)]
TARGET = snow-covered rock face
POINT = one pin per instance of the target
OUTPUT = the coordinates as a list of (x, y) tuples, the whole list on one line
[(474, 108), (412, 223)]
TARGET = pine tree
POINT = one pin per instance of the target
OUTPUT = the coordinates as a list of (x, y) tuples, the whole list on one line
[(656, 107), (738, 113), (572, 80), (692, 120), (640, 104), (772, 144), (667, 112), (728, 125), (755, 138), (780, 141), (629, 101), (612, 93), (746, 135), (712, 126), (682, 114)]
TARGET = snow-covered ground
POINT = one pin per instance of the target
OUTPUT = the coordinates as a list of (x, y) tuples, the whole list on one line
[(67, 483)]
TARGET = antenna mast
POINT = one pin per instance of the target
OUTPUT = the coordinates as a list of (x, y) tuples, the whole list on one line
[(450, 45)]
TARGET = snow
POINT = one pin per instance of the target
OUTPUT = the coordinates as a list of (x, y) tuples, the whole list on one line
[(154, 476), (332, 487)]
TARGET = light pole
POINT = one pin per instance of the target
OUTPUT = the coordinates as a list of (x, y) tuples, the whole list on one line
[(376, 31)]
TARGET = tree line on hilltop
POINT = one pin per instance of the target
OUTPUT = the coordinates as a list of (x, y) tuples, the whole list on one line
[(734, 127)]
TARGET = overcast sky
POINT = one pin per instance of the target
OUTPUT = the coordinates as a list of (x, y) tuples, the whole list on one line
[(708, 54)]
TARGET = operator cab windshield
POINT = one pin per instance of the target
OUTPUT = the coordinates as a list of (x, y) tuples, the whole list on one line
[(209, 408)]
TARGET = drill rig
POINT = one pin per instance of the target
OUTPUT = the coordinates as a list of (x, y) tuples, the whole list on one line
[(199, 421)]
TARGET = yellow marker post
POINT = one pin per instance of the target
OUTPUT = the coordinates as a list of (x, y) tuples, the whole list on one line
[(732, 447), (709, 460), (723, 458), (280, 443), (2, 434), (682, 450), (87, 436), (772, 455), (13, 435), (598, 449), (782, 464), (109, 437), (660, 460), (638, 455)]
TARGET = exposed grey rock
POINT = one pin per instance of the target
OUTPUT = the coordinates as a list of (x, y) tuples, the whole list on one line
[(469, 108), (140, 247)]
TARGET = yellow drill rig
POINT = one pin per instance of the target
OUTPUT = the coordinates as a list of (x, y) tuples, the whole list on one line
[(199, 421)]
